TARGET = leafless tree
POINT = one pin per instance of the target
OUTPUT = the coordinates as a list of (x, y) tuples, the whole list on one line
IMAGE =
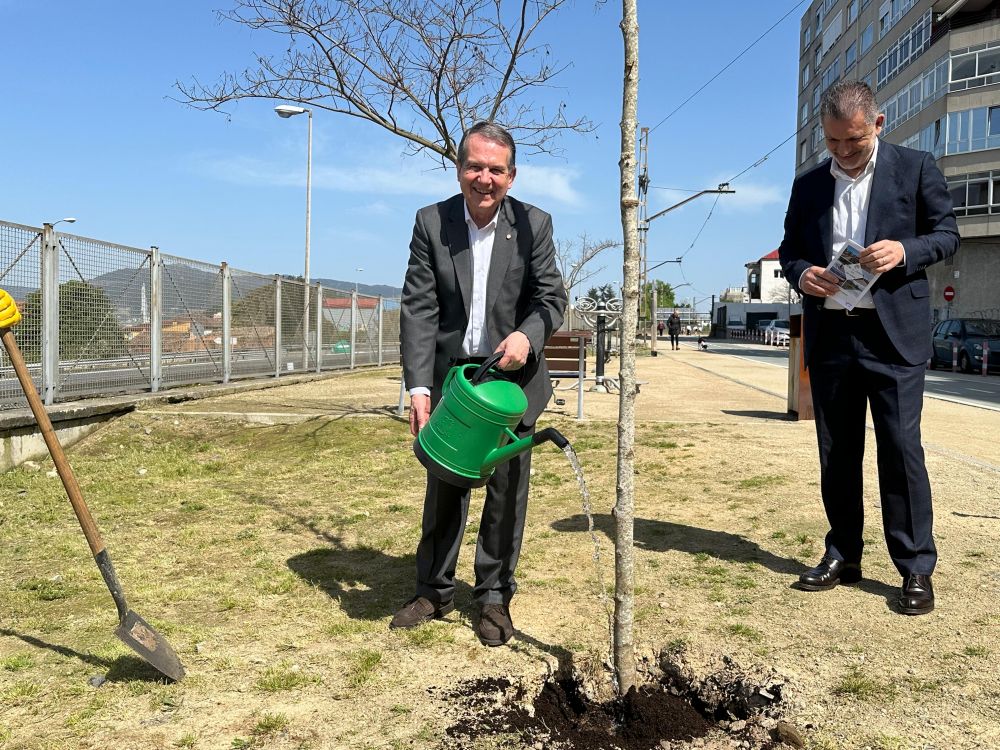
[(424, 70), (624, 510), (574, 256)]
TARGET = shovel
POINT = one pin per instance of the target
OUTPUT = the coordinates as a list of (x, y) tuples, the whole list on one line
[(133, 631)]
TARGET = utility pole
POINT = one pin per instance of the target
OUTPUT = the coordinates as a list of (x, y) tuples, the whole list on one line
[(643, 226)]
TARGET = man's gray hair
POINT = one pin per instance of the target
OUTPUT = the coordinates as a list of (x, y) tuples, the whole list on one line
[(845, 99), (491, 131)]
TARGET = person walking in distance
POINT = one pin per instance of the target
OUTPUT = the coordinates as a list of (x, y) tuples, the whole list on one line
[(481, 278), (895, 203), (674, 329)]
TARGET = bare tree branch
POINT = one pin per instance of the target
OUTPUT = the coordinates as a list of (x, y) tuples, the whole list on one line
[(574, 256), (423, 70)]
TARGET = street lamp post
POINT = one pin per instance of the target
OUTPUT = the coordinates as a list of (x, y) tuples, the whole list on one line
[(722, 189), (285, 111)]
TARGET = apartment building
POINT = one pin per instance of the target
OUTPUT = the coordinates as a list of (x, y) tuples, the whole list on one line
[(935, 68)]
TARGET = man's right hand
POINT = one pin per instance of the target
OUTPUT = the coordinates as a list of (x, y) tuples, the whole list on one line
[(420, 412), (818, 282)]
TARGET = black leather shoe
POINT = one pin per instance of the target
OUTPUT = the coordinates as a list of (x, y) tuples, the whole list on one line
[(917, 595), (829, 573), (495, 627), (419, 610)]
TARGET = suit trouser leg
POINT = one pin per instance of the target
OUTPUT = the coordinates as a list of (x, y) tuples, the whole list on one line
[(445, 510), (839, 403), (501, 528), (896, 399), (855, 365)]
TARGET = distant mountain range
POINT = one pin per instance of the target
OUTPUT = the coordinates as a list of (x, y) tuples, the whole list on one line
[(187, 289)]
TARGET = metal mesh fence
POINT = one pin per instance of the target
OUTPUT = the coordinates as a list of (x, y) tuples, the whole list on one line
[(335, 335), (390, 330), (103, 296), (366, 333), (191, 328), (111, 331), (20, 273), (252, 329), (298, 327)]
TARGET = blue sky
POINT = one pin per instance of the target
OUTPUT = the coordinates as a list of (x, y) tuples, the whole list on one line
[(90, 130)]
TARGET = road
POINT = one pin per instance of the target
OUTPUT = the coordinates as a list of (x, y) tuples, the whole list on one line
[(972, 390)]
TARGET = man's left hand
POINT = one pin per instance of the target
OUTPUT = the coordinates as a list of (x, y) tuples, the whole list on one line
[(516, 348), (882, 256)]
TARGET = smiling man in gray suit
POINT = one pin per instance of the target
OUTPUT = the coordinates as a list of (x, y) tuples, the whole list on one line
[(481, 279)]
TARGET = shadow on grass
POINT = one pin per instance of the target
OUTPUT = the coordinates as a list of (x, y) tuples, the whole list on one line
[(125, 668), (758, 414), (367, 583), (660, 536)]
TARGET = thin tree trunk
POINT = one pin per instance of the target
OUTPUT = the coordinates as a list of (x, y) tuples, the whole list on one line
[(624, 511)]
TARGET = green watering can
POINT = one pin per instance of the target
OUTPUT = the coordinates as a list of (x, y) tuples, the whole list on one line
[(467, 435)]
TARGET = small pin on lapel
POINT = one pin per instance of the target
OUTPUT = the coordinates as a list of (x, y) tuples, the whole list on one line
[(508, 235)]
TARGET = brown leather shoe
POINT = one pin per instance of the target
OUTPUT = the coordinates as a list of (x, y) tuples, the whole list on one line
[(917, 595), (495, 627), (419, 610), (829, 573)]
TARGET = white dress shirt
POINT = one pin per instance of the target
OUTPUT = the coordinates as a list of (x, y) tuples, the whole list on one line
[(851, 196), (476, 342)]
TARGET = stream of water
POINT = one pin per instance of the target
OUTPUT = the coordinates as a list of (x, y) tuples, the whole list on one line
[(574, 461)]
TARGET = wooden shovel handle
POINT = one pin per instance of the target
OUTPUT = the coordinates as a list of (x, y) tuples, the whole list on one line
[(55, 448)]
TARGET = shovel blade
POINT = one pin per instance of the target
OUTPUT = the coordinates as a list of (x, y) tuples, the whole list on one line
[(140, 636)]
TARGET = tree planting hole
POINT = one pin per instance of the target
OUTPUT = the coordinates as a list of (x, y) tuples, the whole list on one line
[(728, 708)]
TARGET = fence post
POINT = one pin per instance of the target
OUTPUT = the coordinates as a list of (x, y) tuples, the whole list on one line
[(381, 309), (354, 325), (319, 328), (277, 326), (155, 320), (227, 323), (954, 356), (986, 357), (49, 285)]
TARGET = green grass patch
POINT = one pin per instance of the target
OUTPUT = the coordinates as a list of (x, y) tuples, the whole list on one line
[(282, 677), (744, 631), (859, 686), (17, 662), (363, 665)]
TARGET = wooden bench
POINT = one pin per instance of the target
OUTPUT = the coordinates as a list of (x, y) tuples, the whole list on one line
[(566, 355)]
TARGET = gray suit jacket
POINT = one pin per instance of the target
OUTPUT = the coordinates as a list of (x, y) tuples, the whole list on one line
[(524, 292)]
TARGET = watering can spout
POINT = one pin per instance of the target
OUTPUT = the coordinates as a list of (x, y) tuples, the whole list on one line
[(517, 447)]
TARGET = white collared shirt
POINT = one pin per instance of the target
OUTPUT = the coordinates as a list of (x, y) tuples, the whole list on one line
[(851, 196), (476, 342)]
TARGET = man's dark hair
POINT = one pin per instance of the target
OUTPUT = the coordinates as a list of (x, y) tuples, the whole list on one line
[(490, 131), (844, 99)]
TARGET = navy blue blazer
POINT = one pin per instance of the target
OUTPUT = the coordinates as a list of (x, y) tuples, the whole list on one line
[(909, 203)]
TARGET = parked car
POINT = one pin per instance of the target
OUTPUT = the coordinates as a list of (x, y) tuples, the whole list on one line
[(969, 335), (777, 333)]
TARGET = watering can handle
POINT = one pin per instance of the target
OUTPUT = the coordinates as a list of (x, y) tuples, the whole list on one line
[(485, 367)]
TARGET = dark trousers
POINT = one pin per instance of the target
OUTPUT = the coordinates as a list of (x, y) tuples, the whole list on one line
[(501, 528), (853, 365), (675, 339)]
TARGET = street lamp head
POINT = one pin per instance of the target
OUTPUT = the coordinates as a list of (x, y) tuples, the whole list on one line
[(288, 110), (68, 220)]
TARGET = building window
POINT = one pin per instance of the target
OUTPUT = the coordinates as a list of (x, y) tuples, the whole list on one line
[(816, 94), (910, 45), (777, 273), (975, 194), (852, 12), (867, 38), (850, 58), (803, 152), (833, 31), (805, 76), (806, 37), (972, 68), (804, 114), (831, 75), (890, 12)]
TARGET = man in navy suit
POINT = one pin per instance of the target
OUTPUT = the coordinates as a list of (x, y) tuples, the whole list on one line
[(895, 203)]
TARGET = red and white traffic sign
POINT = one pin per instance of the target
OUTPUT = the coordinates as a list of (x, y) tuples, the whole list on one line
[(949, 293)]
